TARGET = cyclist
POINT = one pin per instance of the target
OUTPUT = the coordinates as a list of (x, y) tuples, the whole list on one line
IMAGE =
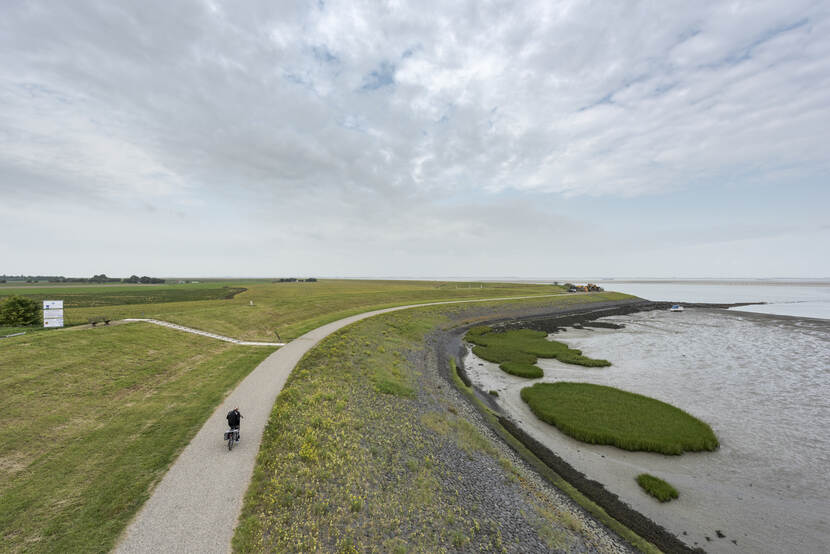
[(234, 418)]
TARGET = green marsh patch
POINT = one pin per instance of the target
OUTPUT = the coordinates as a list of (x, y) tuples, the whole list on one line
[(656, 487), (598, 414), (516, 351)]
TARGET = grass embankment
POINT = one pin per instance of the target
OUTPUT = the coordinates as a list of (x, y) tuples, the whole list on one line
[(355, 456), (598, 414), (290, 309), (656, 487), (92, 419), (516, 351), (342, 467)]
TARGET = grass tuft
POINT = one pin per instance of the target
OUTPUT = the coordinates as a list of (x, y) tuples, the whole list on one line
[(598, 414), (656, 487), (521, 369)]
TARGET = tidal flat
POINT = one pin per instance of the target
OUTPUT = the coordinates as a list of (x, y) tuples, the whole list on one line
[(760, 381)]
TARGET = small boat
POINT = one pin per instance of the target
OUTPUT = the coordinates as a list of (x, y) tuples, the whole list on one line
[(676, 308)]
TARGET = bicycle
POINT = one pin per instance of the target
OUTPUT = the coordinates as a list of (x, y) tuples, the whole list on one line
[(232, 436)]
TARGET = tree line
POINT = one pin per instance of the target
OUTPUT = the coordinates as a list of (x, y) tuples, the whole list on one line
[(102, 278)]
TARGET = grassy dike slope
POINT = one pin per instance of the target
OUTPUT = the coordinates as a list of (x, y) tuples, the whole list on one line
[(369, 449), (92, 419)]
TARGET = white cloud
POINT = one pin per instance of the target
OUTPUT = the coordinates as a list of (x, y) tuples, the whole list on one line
[(356, 107)]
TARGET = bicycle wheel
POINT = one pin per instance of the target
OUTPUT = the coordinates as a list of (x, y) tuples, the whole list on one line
[(230, 442)]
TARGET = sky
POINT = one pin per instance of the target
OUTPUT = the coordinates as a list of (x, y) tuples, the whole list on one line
[(532, 139)]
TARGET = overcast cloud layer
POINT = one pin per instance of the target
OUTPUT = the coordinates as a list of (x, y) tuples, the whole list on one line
[(531, 139)]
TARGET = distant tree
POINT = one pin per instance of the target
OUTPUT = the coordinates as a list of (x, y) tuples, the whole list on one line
[(132, 279), (18, 310), (145, 279)]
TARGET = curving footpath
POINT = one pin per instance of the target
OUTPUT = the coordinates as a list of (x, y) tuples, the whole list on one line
[(196, 505), (178, 327)]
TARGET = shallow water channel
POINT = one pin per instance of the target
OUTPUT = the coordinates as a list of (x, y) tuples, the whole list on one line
[(762, 382)]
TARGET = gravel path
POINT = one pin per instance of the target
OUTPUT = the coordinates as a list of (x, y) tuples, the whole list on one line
[(204, 333), (196, 505)]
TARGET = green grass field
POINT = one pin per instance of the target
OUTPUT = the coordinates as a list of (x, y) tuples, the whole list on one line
[(516, 351), (92, 419), (290, 309), (117, 295), (598, 414), (656, 487), (95, 416)]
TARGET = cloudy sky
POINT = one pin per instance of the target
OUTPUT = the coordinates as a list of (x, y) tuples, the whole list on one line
[(529, 139)]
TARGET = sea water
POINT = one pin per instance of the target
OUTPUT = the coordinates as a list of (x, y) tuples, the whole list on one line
[(793, 298), (763, 384)]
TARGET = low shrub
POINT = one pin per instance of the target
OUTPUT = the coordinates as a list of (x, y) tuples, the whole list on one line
[(656, 487), (19, 311), (598, 414)]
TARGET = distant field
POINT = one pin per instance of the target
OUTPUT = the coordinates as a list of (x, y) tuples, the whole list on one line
[(84, 297), (289, 309)]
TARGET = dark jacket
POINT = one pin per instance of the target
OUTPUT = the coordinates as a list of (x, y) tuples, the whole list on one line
[(233, 418)]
